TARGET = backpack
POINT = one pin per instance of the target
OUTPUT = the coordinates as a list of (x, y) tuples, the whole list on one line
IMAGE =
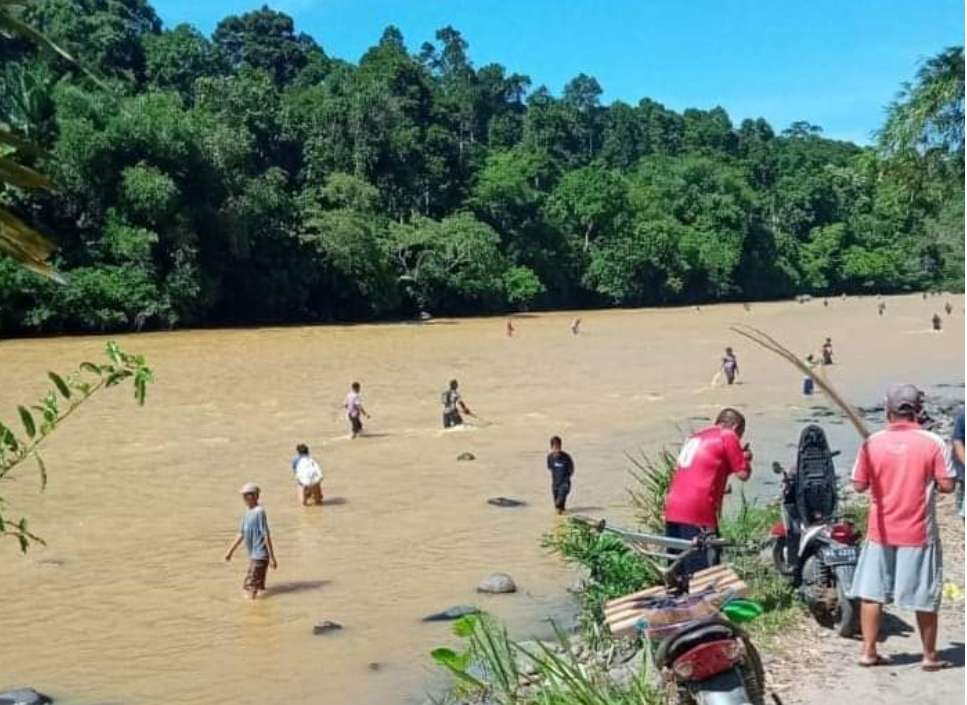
[(308, 472)]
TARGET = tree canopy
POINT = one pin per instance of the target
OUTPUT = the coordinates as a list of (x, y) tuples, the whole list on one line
[(251, 177)]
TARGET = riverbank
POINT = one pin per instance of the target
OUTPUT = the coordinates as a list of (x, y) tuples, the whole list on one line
[(803, 662)]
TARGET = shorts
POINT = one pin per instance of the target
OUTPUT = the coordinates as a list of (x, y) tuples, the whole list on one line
[(560, 491), (909, 576), (356, 422), (255, 578), (696, 561), (452, 418), (729, 375)]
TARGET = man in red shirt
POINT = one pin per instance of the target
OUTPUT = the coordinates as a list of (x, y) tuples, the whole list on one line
[(705, 463), (903, 466)]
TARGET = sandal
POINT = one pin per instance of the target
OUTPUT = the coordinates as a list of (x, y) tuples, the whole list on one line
[(936, 666), (878, 661)]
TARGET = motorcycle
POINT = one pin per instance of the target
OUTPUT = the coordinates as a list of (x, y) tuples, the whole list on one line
[(810, 546), (706, 658)]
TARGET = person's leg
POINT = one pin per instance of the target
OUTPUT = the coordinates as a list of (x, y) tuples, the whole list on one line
[(873, 584), (317, 493), (306, 493), (300, 493), (927, 625), (919, 587), (871, 615)]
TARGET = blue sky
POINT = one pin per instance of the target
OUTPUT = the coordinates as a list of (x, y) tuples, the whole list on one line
[(835, 63)]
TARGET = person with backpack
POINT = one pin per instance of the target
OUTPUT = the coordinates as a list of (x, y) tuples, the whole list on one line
[(308, 475), (453, 405)]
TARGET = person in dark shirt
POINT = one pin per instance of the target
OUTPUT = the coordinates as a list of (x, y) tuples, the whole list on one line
[(562, 467), (828, 352), (730, 366)]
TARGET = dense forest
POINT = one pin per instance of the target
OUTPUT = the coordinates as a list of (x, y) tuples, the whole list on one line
[(251, 177)]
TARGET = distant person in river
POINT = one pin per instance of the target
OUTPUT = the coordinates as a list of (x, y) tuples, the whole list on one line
[(937, 322), (562, 468), (576, 326), (948, 307), (510, 328), (705, 463), (308, 475), (903, 467), (254, 531), (453, 405), (827, 352), (354, 410), (730, 366), (881, 307)]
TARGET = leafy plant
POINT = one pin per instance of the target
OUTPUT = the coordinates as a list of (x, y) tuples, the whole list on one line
[(653, 477), (41, 419)]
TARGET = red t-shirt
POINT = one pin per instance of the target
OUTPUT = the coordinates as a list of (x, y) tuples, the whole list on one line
[(698, 485), (900, 464)]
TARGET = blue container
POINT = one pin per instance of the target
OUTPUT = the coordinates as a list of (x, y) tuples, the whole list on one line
[(807, 386)]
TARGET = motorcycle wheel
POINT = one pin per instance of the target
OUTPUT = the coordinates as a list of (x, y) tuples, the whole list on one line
[(811, 578), (778, 559), (848, 617), (753, 674)]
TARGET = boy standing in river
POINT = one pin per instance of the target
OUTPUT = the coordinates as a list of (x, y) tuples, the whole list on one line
[(355, 410), (730, 366), (254, 531), (562, 468)]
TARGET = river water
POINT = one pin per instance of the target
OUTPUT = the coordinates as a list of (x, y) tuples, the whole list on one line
[(130, 602)]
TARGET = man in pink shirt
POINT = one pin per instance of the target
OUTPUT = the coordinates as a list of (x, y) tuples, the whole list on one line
[(903, 466), (705, 463)]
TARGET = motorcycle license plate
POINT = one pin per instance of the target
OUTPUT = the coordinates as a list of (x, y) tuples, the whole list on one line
[(840, 555)]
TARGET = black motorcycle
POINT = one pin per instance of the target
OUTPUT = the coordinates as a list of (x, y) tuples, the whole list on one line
[(816, 551)]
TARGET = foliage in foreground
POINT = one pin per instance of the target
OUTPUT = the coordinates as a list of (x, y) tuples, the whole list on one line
[(247, 176), (491, 665), (40, 420)]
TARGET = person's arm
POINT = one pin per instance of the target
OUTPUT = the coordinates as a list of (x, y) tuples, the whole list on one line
[(268, 540), (235, 544), (570, 467), (738, 457), (465, 408), (268, 545), (861, 469), (944, 473), (957, 442), (363, 411)]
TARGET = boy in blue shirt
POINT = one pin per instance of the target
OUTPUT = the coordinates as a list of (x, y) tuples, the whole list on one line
[(254, 531)]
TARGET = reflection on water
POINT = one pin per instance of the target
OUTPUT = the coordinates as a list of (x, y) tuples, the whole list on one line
[(131, 601)]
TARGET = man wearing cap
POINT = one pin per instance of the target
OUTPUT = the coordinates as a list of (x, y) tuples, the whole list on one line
[(254, 531), (903, 466)]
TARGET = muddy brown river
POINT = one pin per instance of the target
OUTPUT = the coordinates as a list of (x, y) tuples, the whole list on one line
[(131, 602)]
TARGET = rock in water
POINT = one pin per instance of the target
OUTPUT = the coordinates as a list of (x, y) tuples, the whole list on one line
[(466, 456), (455, 612), (24, 696), (326, 626), (506, 502), (497, 583)]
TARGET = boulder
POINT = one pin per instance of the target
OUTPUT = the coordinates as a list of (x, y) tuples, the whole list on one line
[(326, 626), (24, 696), (450, 613), (506, 502), (466, 456), (497, 583)]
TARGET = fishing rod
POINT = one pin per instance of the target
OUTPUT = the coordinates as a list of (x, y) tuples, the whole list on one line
[(763, 339)]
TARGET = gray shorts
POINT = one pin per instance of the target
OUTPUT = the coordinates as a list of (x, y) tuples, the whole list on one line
[(909, 576)]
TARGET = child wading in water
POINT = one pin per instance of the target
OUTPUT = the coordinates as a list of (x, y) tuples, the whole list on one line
[(730, 366), (308, 475), (562, 467), (254, 531), (355, 410)]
